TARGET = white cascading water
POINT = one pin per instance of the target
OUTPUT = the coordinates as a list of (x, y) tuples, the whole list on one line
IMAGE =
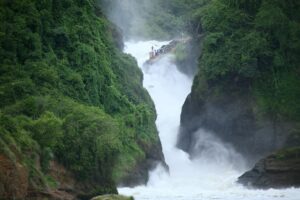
[(212, 175)]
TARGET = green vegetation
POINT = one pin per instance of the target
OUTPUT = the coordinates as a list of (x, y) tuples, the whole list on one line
[(290, 153), (251, 46), (68, 94), (155, 19), (252, 43), (180, 52)]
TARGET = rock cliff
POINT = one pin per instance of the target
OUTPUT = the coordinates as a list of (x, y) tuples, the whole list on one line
[(279, 170), (243, 92), (232, 116)]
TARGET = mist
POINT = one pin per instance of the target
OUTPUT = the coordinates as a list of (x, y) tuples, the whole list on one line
[(209, 170), (144, 19), (127, 15), (213, 170)]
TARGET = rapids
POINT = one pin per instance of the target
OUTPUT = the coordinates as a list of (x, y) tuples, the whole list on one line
[(214, 173)]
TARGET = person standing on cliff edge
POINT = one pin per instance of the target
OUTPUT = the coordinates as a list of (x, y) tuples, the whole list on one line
[(152, 53)]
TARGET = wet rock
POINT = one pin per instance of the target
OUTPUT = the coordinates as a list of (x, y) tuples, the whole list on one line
[(279, 170), (231, 115), (168, 48), (187, 62), (112, 197)]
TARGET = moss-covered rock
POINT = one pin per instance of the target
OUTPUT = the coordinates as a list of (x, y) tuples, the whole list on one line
[(112, 197), (279, 170)]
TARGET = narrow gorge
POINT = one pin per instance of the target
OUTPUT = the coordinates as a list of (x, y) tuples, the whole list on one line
[(160, 99)]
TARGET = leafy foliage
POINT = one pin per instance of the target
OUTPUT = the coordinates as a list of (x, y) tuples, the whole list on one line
[(252, 46), (67, 93)]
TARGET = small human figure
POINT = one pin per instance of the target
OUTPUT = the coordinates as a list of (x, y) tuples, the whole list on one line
[(152, 53)]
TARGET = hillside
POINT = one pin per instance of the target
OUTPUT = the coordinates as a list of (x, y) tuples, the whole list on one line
[(74, 117), (247, 88)]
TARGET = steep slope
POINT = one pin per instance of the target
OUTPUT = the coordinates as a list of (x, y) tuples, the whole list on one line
[(74, 117), (246, 91)]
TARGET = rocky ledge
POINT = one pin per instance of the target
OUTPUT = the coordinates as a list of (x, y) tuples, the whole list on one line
[(112, 197), (279, 170)]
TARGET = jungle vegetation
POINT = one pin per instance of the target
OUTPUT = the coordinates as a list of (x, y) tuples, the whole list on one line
[(69, 94)]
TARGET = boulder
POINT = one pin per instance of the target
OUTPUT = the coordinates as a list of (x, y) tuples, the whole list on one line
[(112, 197), (279, 170)]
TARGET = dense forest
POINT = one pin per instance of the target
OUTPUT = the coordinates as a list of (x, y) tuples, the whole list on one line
[(248, 65), (255, 42), (73, 110), (247, 73), (246, 88), (70, 98)]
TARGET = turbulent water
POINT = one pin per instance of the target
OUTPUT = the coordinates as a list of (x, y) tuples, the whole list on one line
[(212, 175)]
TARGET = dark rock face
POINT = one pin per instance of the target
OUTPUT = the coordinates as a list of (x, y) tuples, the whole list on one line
[(139, 175), (271, 172), (189, 64), (231, 116)]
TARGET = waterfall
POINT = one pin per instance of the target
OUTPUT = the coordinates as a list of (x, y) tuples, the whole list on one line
[(213, 173)]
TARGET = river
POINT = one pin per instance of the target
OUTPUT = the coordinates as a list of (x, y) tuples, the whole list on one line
[(214, 173)]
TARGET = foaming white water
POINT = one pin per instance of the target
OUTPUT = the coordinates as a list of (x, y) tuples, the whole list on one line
[(213, 173)]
